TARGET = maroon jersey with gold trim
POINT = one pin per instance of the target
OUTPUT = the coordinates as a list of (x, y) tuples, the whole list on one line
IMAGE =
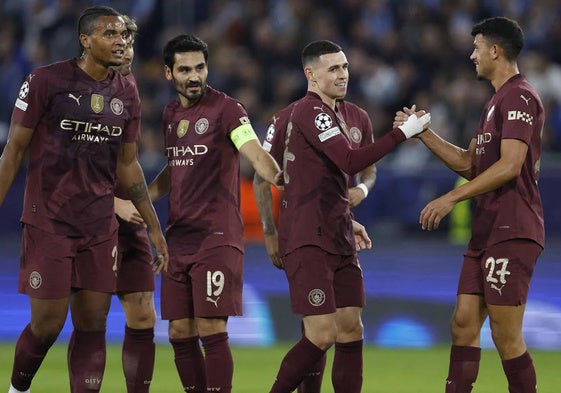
[(78, 125), (357, 120), (204, 165), (513, 210), (315, 207)]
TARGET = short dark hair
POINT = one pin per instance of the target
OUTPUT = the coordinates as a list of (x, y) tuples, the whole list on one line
[(504, 32), (184, 43), (86, 22), (315, 49)]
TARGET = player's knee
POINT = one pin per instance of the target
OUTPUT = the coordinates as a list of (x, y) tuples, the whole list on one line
[(182, 328), (47, 332), (143, 318), (463, 330)]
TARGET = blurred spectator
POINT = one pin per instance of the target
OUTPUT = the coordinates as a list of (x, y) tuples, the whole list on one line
[(398, 51)]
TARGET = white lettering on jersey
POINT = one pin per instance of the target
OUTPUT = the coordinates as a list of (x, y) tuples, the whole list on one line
[(21, 104), (329, 134)]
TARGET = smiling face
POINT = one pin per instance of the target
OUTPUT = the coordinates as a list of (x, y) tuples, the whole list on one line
[(482, 56), (328, 76), (106, 44)]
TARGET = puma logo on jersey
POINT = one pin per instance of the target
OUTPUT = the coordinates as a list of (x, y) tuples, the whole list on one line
[(215, 302), (77, 99), (499, 290), (526, 100)]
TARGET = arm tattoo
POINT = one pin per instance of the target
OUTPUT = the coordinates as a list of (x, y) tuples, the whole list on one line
[(138, 193), (264, 204)]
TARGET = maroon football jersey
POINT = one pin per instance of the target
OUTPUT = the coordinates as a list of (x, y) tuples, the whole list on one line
[(357, 120), (318, 160), (79, 124), (513, 210), (204, 165)]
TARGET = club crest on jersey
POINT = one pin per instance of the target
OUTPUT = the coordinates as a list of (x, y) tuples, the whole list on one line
[(316, 297), (355, 134), (182, 128), (490, 113), (116, 106), (97, 103), (323, 121), (201, 126)]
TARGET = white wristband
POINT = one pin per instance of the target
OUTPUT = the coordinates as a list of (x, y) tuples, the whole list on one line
[(364, 189)]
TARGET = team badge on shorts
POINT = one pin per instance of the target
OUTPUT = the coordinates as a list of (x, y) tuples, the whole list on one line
[(35, 280), (316, 297)]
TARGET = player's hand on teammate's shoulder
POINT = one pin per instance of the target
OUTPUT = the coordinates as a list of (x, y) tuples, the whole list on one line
[(412, 122)]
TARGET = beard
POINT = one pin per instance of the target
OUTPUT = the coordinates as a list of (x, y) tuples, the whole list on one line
[(193, 98)]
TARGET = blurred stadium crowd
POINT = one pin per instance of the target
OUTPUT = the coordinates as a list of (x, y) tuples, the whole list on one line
[(400, 52)]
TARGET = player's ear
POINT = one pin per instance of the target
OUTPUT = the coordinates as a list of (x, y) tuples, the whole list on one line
[(168, 73), (309, 74)]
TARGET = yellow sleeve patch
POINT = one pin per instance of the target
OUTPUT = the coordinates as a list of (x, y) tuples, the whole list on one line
[(242, 134)]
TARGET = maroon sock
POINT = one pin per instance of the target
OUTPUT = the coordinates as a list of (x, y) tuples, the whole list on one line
[(86, 361), (190, 363), (295, 365), (313, 379), (521, 374), (463, 369), (219, 363), (346, 373), (139, 351), (28, 356)]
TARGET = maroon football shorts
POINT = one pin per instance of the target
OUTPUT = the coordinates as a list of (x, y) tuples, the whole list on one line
[(135, 272), (501, 273), (52, 265), (208, 283), (321, 282)]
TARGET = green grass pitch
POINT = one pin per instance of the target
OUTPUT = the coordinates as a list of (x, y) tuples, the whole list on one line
[(386, 370)]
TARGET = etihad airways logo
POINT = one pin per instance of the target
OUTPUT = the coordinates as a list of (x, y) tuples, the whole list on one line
[(184, 155), (90, 132)]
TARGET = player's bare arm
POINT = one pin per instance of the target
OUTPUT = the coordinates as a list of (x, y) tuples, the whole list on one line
[(125, 209), (362, 240), (264, 199), (131, 177), (159, 187), (19, 138), (508, 167), (454, 157), (263, 163), (366, 181)]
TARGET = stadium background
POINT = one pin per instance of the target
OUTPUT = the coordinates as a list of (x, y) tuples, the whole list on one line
[(400, 52)]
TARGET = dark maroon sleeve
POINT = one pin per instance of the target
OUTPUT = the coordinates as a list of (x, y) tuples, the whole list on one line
[(352, 161)]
